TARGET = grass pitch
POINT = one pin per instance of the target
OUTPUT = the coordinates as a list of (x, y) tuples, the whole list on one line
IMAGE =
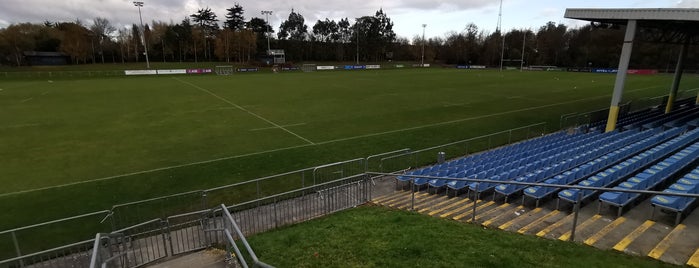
[(71, 146)]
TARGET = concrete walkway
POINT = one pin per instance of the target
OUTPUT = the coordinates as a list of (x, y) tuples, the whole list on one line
[(209, 258)]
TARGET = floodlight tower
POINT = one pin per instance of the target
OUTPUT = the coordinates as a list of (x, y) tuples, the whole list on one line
[(267, 13), (422, 61), (356, 29), (139, 4)]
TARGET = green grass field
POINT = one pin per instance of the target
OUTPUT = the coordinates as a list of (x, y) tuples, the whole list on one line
[(379, 237), (113, 140)]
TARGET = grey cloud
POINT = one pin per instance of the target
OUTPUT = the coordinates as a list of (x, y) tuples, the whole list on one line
[(122, 12)]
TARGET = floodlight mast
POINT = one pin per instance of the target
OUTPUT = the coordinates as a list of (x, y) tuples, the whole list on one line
[(422, 61), (267, 13), (357, 33), (139, 4)]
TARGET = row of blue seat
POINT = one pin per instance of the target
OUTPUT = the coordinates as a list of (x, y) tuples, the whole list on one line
[(651, 177), (612, 175), (687, 184), (551, 158), (650, 120), (513, 162), (480, 161), (603, 162), (594, 152), (629, 118), (535, 162), (678, 118)]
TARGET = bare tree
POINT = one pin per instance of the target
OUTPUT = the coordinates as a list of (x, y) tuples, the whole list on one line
[(102, 30)]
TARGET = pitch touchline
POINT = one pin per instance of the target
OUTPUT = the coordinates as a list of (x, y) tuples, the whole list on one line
[(267, 128), (305, 145), (244, 110)]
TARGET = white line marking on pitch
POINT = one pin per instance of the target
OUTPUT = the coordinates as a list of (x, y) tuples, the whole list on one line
[(268, 128), (154, 170), (19, 126), (244, 110), (307, 145), (26, 100)]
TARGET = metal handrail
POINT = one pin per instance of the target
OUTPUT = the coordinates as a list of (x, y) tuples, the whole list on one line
[(54, 221), (242, 239), (297, 190), (413, 177), (45, 251)]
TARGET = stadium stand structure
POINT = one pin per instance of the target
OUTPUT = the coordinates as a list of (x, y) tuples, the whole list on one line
[(650, 151)]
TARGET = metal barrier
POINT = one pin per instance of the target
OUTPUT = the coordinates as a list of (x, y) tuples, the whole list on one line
[(338, 170), (15, 242), (428, 156), (61, 74)]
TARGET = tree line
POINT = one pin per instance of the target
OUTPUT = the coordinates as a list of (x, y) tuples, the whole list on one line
[(203, 37)]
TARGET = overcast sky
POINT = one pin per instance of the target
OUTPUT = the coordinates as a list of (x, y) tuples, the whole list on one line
[(441, 16)]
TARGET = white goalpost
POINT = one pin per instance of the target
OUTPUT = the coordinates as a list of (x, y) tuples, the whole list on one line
[(308, 68), (225, 70)]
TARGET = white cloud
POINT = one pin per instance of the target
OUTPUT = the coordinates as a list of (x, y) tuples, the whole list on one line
[(688, 4)]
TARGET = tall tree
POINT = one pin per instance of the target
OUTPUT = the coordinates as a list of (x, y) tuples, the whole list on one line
[(261, 29), (294, 28), (16, 39), (76, 41), (208, 25), (234, 18), (102, 30), (326, 31)]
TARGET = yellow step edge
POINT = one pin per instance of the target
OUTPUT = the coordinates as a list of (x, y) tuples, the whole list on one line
[(491, 211), (422, 201), (628, 239), (586, 223), (436, 205), (611, 226), (498, 217), (398, 201), (426, 203), (660, 249), (457, 210), (392, 199), (555, 225), (386, 197), (432, 213), (538, 221), (467, 212), (401, 199), (694, 260), (518, 218), (479, 208)]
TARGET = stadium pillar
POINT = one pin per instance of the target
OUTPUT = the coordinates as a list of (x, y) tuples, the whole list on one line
[(678, 76), (621, 74)]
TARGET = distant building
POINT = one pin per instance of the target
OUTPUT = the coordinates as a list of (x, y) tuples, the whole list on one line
[(37, 58)]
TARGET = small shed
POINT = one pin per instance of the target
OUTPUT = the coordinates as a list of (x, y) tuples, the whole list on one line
[(38, 58)]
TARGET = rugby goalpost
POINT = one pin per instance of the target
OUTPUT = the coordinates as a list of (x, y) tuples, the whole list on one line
[(225, 70)]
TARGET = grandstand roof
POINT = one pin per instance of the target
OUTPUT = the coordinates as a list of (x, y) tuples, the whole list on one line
[(675, 23)]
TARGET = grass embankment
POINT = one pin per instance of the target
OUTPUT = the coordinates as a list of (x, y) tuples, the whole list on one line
[(379, 237)]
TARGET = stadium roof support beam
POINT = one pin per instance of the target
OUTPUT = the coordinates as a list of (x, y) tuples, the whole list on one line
[(678, 77), (673, 22), (621, 74)]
